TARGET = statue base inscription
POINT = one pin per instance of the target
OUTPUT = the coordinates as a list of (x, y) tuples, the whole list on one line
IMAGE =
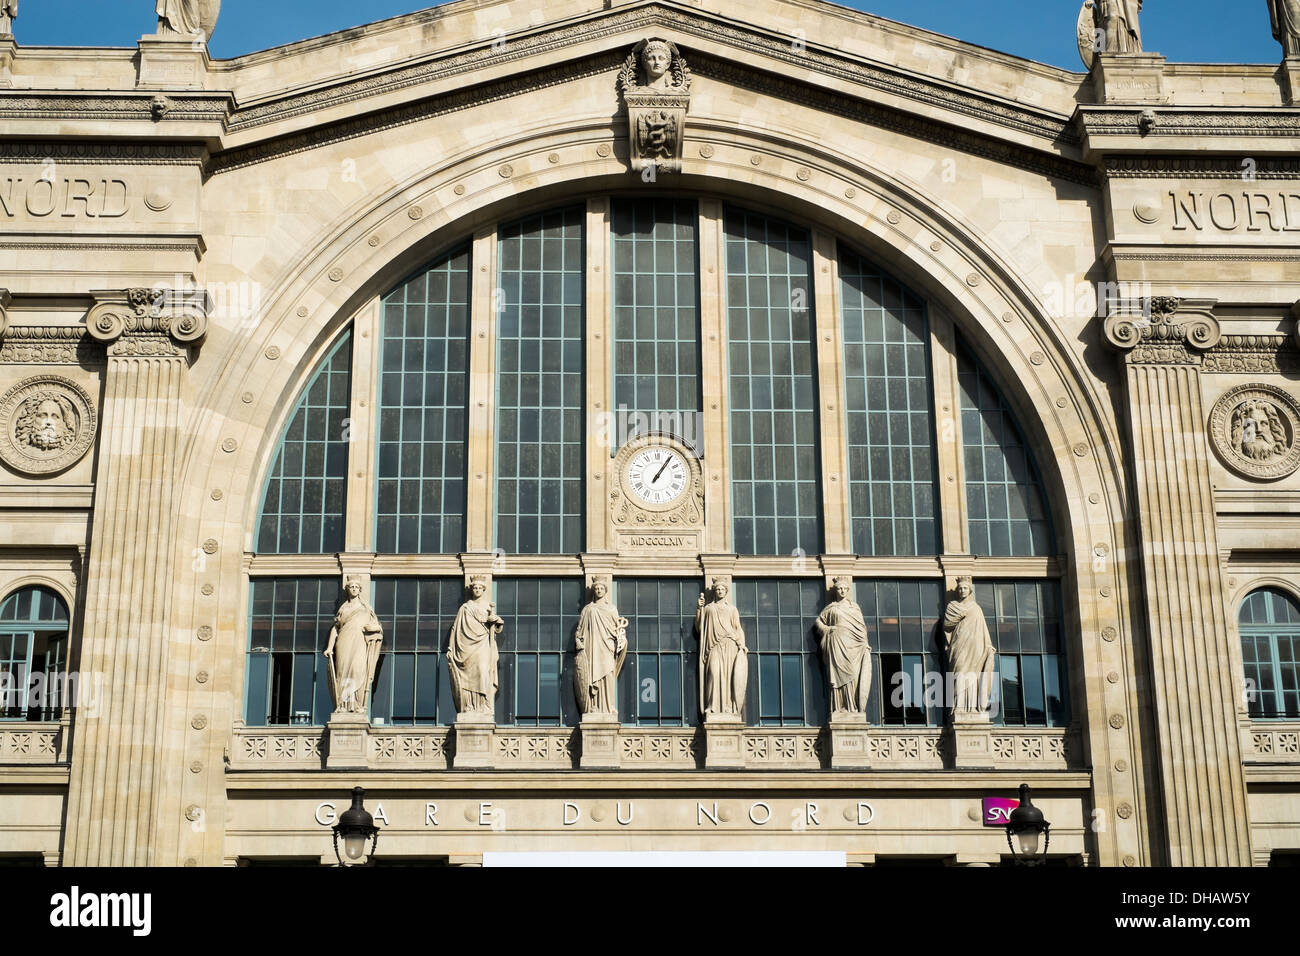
[(1136, 78), (348, 738), (972, 741), (849, 742), (723, 748), (599, 736), (172, 61), (473, 741)]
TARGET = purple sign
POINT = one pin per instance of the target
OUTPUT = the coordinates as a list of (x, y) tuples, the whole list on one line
[(997, 810)]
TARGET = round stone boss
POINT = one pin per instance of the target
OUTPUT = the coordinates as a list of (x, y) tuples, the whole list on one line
[(1255, 430), (47, 424)]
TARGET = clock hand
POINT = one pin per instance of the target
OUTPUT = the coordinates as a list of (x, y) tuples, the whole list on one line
[(660, 471)]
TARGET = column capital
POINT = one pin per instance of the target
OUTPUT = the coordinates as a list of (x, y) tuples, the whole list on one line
[(1162, 330), (159, 322)]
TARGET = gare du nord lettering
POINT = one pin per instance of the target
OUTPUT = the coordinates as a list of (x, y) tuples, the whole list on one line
[(67, 197)]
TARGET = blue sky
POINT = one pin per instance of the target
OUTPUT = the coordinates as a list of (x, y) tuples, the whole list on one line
[(1196, 31)]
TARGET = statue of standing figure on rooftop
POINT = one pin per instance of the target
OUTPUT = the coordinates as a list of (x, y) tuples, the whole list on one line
[(187, 17), (8, 14), (1285, 18), (1109, 26)]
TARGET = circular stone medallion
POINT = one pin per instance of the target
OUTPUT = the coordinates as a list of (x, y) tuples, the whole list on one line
[(1255, 429), (47, 423)]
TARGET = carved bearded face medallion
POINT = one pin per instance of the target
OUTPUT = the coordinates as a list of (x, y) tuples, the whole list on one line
[(46, 424), (1254, 429)]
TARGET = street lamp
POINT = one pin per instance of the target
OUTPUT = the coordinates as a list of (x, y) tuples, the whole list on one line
[(355, 827), (1027, 832)]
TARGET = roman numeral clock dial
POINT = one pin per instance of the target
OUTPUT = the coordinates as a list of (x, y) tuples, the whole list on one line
[(657, 475)]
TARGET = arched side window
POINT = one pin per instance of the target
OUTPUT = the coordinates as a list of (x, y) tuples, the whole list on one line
[(34, 627), (1269, 623), (775, 475), (1006, 515), (304, 502), (888, 398), (423, 396)]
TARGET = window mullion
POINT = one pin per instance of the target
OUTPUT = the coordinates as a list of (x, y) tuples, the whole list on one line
[(598, 373), (480, 501), (713, 345), (951, 467), (837, 521), (363, 429)]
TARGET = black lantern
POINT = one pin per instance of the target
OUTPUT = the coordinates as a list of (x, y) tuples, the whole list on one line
[(1027, 832), (355, 827)]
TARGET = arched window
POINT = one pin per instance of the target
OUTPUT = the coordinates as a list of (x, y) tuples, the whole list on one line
[(494, 374), (302, 508), (1269, 622), (33, 654)]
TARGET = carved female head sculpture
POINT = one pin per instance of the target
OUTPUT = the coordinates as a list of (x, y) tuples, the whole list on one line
[(352, 586), (842, 586), (720, 588), (965, 586), (656, 58), (599, 586), (478, 585)]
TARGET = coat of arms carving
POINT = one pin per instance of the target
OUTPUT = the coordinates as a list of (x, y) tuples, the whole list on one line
[(655, 83)]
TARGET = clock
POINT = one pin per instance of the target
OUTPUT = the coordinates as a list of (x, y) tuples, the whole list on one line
[(657, 475)]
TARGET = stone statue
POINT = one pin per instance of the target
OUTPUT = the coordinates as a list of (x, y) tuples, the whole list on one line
[(845, 650), (46, 422), (655, 83), (971, 655), (601, 645), (178, 16), (1257, 431), (353, 651), (1117, 21), (1285, 16), (724, 663), (472, 651), (8, 14)]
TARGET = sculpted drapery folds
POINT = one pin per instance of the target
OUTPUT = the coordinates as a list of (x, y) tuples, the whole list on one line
[(472, 651), (353, 651), (1285, 17), (1115, 28), (724, 663), (178, 16), (8, 14), (971, 655), (845, 649), (601, 647)]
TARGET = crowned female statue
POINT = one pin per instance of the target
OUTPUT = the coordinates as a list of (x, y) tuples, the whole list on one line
[(971, 655), (845, 650), (724, 663), (472, 651), (353, 651), (601, 646)]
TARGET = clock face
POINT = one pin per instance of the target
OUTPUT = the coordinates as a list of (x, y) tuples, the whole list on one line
[(658, 475)]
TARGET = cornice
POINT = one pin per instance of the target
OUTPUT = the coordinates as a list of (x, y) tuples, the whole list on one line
[(1175, 121), (1197, 167), (113, 105), (152, 154)]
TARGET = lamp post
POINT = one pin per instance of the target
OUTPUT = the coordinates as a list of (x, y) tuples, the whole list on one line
[(1027, 832), (355, 827)]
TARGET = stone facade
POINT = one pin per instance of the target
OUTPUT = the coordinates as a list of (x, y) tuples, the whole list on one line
[(1119, 247)]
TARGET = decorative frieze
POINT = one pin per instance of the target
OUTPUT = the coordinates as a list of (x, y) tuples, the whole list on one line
[(48, 345), (1257, 354), (652, 748)]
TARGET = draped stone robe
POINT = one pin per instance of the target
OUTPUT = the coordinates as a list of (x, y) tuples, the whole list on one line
[(472, 657), (179, 16), (1285, 16), (847, 655), (601, 647), (724, 666), (357, 641), (971, 656)]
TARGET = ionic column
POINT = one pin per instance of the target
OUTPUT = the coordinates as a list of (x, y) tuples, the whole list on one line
[(117, 766), (1202, 781)]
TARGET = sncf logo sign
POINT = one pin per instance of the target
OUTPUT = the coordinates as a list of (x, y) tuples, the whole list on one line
[(997, 810)]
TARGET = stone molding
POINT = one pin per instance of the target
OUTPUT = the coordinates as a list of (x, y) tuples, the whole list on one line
[(1197, 167), (147, 322), (1211, 121), (1272, 743), (34, 742), (152, 154), (1257, 354), (1162, 330), (641, 748)]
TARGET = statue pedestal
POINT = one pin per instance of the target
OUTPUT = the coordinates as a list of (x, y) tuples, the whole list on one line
[(972, 741), (849, 742), (1134, 78), (8, 49), (723, 735), (473, 741), (348, 735), (172, 62), (1290, 76), (599, 736)]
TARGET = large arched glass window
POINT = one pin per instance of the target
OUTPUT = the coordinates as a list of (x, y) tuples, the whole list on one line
[(1269, 622), (840, 408), (34, 627)]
